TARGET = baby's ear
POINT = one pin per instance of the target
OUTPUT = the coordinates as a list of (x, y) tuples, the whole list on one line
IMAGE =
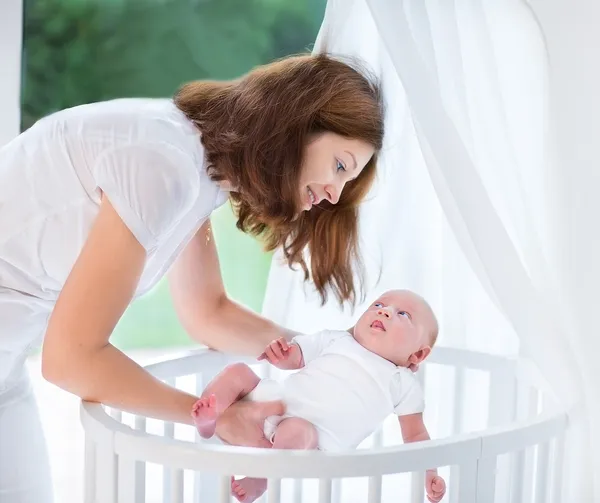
[(417, 357)]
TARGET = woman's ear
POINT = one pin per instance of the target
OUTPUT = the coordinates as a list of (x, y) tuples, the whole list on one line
[(417, 357)]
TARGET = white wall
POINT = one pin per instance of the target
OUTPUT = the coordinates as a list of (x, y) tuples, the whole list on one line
[(573, 45), (11, 32)]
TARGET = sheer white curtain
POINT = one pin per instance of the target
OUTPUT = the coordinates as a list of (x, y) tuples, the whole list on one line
[(464, 209)]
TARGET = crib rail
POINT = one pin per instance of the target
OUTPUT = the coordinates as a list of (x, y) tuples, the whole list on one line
[(531, 440)]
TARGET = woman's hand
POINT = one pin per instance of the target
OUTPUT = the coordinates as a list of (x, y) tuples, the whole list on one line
[(242, 423)]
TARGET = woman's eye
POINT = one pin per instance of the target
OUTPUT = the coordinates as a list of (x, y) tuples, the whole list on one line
[(340, 166)]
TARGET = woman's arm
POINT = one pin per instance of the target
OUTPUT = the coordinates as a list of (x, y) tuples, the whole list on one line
[(204, 309), (76, 353)]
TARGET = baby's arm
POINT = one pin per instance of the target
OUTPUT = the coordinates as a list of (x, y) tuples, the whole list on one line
[(283, 355), (414, 430), (301, 351)]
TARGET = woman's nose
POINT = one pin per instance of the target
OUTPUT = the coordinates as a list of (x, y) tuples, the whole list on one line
[(333, 193)]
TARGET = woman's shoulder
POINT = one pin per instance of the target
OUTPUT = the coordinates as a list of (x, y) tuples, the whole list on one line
[(151, 125), (123, 120)]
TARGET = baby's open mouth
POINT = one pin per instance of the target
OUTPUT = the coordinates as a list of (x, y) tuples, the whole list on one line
[(378, 324)]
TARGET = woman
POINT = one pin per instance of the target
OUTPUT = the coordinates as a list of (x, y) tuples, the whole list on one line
[(97, 202)]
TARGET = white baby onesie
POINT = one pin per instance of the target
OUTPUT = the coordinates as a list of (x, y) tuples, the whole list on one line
[(344, 390)]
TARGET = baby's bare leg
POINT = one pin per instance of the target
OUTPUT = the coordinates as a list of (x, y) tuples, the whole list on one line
[(231, 384), (292, 433)]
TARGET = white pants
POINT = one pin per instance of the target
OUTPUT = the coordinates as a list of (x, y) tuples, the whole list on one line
[(24, 466)]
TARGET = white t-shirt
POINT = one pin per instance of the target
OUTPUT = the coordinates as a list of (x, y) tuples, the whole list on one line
[(144, 154), (345, 390)]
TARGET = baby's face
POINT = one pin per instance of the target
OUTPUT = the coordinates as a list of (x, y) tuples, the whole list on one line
[(397, 327)]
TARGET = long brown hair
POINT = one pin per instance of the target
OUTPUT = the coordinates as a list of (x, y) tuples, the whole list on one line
[(255, 131)]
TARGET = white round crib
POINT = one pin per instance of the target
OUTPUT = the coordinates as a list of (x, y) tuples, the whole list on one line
[(499, 440)]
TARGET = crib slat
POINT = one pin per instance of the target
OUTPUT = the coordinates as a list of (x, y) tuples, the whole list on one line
[(531, 404), (374, 490), (558, 457), (522, 406), (224, 489), (198, 439), (486, 481), (176, 486), (127, 487), (298, 485), (169, 476), (503, 473), (501, 410), (90, 471), (169, 432), (140, 466), (106, 483), (543, 466), (467, 481), (336, 491), (417, 487), (453, 493), (324, 490), (518, 467), (375, 482), (274, 491)]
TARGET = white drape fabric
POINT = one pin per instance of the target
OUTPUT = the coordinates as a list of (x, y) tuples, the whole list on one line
[(464, 208)]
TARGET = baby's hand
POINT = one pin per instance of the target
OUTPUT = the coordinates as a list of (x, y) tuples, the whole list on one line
[(276, 352), (435, 486)]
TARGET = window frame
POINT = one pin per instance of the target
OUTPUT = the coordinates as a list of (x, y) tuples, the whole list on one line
[(11, 49)]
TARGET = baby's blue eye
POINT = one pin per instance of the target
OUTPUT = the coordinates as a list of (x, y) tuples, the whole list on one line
[(340, 166), (378, 304), (403, 313)]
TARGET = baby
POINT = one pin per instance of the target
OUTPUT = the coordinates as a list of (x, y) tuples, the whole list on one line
[(346, 385)]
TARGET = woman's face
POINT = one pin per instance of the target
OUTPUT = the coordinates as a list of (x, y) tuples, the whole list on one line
[(330, 162)]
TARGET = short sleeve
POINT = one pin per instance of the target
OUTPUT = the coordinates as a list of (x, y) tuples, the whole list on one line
[(312, 345), (407, 394), (151, 187)]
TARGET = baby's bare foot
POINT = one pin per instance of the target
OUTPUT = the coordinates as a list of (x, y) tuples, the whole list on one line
[(248, 489), (204, 414)]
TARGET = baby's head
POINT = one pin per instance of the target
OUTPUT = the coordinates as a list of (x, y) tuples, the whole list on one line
[(399, 326)]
